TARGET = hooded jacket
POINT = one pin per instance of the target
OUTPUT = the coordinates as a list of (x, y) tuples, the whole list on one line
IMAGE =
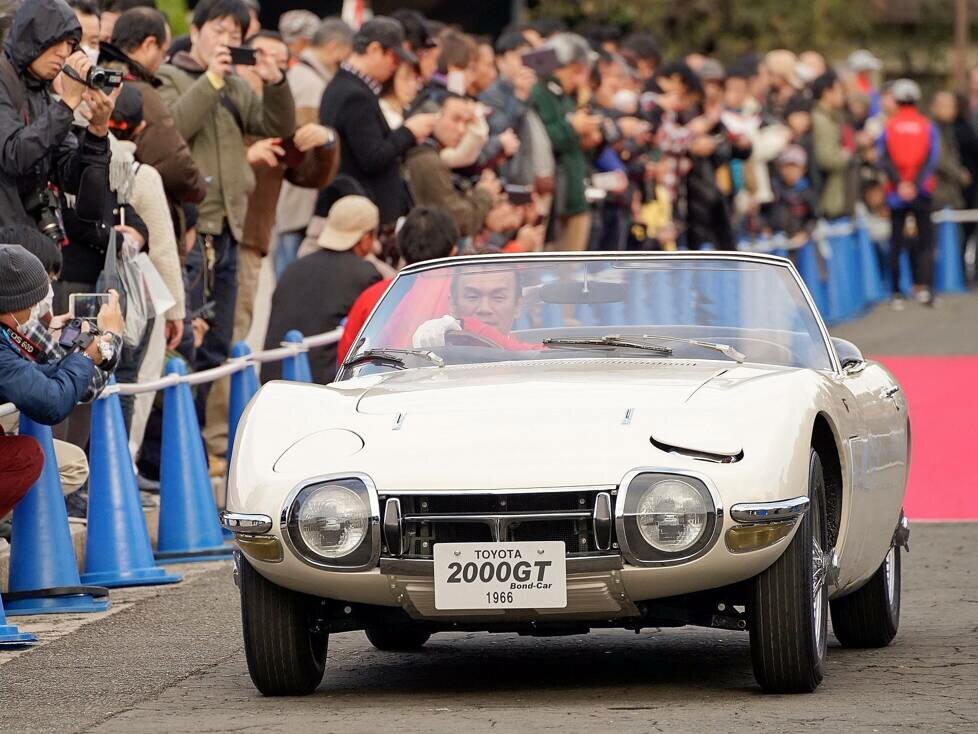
[(37, 145)]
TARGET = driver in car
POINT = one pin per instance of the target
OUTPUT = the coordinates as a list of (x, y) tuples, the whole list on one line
[(484, 304)]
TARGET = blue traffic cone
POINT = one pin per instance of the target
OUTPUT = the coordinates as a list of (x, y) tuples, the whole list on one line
[(949, 270), (189, 529), (10, 635), (118, 551), (296, 367), (244, 385), (43, 568), (808, 269), (869, 265)]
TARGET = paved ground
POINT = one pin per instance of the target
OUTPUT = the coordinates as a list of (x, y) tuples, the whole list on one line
[(170, 659), (173, 663), (951, 328)]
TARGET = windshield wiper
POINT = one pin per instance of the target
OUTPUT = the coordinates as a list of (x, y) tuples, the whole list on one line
[(616, 340), (725, 349), (610, 341), (391, 357)]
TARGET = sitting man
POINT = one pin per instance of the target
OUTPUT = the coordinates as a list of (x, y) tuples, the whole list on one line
[(485, 304)]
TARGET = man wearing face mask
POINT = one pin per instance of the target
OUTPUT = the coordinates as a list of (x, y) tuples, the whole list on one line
[(36, 375), (41, 160)]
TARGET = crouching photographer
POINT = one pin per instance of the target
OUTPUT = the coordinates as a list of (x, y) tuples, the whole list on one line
[(41, 160), (47, 371)]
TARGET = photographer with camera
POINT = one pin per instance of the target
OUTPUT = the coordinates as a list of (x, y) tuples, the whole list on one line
[(41, 160), (45, 378)]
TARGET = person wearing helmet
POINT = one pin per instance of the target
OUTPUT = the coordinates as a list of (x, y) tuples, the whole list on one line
[(909, 153)]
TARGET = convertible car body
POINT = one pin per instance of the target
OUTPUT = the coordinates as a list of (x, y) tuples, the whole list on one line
[(547, 444)]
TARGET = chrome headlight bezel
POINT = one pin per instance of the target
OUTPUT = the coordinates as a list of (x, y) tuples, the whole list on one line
[(635, 548), (366, 555)]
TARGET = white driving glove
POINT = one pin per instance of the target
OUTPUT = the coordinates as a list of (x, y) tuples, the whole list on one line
[(432, 333)]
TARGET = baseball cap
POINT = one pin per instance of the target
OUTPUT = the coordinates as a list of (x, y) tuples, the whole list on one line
[(712, 71), (416, 28), (793, 155), (863, 60), (905, 91), (349, 219), (298, 24), (388, 33), (782, 63), (128, 110)]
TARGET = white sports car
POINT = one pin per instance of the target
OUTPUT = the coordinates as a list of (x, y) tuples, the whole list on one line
[(547, 444)]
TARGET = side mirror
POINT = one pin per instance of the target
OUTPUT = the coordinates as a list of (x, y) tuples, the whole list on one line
[(849, 355)]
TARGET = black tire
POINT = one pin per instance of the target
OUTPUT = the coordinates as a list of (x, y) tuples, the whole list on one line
[(399, 638), (870, 617), (286, 657), (787, 637)]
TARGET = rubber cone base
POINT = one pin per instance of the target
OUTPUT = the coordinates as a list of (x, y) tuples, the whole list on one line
[(74, 604), (219, 553), (141, 577), (10, 636)]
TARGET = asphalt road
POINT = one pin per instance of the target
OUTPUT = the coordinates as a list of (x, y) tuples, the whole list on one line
[(173, 662)]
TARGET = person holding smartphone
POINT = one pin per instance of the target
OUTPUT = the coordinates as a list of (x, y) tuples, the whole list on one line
[(214, 109)]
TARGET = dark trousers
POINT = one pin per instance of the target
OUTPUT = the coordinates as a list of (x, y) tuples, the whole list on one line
[(921, 247), (21, 463), (221, 278), (130, 362)]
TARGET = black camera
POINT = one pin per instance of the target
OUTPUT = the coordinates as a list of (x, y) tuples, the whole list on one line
[(104, 79), (42, 204), (74, 339)]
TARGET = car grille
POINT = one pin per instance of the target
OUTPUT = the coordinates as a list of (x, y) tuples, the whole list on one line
[(424, 520)]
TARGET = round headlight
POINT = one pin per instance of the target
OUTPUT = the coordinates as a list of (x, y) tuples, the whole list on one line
[(333, 520), (672, 515)]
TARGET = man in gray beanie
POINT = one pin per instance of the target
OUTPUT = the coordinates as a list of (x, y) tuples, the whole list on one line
[(33, 376)]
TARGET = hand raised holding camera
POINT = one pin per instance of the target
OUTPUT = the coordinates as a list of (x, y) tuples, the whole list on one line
[(110, 315), (70, 89), (100, 105), (220, 63)]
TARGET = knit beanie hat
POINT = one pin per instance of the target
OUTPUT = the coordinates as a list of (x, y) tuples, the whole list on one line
[(23, 281)]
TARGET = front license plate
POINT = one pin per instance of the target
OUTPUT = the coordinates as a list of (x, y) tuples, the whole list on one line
[(500, 576)]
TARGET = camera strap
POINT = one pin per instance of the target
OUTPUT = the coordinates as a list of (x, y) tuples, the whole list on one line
[(27, 348), (72, 74)]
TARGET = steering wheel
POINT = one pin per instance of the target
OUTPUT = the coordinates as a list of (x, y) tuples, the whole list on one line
[(468, 339)]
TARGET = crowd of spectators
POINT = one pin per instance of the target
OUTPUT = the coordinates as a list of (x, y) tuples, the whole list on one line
[(341, 154)]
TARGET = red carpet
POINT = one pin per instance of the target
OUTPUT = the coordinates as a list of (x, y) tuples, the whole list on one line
[(943, 397)]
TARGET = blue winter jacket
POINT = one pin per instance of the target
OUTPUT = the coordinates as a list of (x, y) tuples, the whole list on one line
[(45, 393)]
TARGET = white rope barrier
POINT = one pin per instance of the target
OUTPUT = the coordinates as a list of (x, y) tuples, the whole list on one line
[(236, 364)]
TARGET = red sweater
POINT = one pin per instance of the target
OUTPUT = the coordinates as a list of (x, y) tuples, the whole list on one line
[(359, 312)]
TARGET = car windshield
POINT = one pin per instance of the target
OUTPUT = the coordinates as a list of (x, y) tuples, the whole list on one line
[(516, 308)]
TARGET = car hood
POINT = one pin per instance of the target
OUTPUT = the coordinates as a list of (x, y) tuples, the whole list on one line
[(508, 425)]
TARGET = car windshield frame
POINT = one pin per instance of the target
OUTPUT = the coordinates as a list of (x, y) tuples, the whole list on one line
[(610, 258)]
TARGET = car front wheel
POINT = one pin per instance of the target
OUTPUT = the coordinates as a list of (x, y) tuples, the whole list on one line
[(788, 616), (285, 650)]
